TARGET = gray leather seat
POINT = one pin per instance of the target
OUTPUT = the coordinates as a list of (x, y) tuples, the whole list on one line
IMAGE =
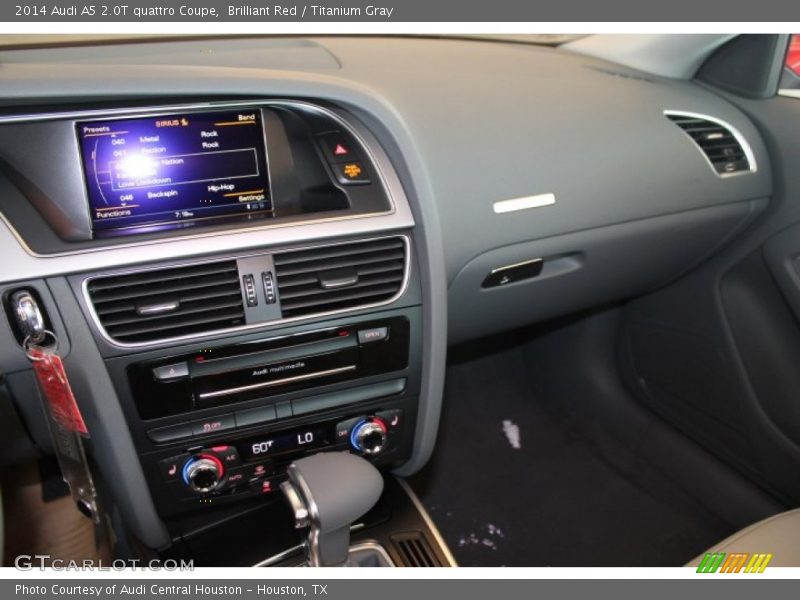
[(778, 535)]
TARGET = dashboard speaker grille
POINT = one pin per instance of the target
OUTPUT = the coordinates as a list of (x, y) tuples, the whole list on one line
[(722, 147), (163, 303), (338, 277)]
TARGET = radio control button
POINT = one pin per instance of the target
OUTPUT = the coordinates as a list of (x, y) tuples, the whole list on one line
[(376, 334), (254, 416), (173, 433), (171, 467), (215, 425), (303, 406), (284, 410), (171, 372)]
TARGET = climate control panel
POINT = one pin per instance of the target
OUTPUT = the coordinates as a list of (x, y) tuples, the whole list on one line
[(256, 464)]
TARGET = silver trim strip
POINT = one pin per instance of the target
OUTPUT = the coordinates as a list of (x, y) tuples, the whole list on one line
[(280, 556), (241, 328), (157, 309), (274, 382), (523, 203), (515, 265), (429, 522), (24, 263), (748, 151), (375, 547), (298, 549), (311, 545)]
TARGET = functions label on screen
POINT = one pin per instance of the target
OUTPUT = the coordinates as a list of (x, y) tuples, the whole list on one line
[(164, 171)]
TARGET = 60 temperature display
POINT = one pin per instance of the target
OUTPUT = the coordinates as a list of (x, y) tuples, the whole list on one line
[(275, 444)]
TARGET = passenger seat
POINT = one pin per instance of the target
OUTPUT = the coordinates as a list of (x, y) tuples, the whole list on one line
[(778, 535)]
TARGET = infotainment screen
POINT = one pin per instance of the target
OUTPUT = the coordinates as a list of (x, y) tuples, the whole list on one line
[(171, 170)]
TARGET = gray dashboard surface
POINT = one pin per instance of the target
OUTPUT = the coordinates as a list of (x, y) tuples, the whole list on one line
[(479, 121), (250, 53), (678, 55), (476, 121)]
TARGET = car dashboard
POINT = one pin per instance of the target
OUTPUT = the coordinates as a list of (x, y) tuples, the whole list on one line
[(313, 222)]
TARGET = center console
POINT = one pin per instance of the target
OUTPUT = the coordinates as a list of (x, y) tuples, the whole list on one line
[(216, 424), (246, 275)]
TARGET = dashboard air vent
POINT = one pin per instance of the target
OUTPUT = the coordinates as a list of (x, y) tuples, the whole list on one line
[(724, 149), (164, 303), (343, 276)]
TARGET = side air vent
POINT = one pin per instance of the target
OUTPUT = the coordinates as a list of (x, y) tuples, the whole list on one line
[(165, 303), (725, 149), (415, 550), (339, 277)]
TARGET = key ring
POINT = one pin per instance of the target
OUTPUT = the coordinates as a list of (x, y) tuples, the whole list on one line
[(28, 344)]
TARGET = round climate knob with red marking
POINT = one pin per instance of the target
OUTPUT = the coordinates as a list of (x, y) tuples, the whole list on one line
[(369, 436), (203, 472)]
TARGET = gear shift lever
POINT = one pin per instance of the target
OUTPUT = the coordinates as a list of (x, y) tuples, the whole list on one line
[(327, 493)]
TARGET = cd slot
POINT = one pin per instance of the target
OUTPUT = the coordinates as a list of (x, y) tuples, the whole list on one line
[(204, 366), (269, 376), (261, 369), (276, 382)]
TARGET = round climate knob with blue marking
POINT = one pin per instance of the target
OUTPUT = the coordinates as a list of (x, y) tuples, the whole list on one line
[(203, 473), (369, 436)]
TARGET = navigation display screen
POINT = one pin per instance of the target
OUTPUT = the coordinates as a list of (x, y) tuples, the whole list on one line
[(156, 172)]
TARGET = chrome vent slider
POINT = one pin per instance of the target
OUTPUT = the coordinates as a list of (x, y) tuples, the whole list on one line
[(725, 148)]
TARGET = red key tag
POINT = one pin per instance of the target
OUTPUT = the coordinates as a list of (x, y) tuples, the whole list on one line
[(56, 389), (67, 428)]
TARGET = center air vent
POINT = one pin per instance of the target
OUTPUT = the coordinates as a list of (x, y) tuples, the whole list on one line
[(339, 277), (165, 303), (725, 149)]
